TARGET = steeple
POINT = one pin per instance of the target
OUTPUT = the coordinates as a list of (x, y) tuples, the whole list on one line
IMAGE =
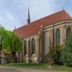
[(28, 20)]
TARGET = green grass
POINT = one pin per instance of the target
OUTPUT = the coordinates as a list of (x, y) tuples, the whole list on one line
[(38, 66), (62, 68), (25, 65)]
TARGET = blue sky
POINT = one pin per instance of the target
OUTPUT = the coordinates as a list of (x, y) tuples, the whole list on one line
[(13, 13)]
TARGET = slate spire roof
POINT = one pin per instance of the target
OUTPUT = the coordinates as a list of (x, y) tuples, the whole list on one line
[(28, 20)]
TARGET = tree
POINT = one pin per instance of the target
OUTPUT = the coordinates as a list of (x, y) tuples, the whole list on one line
[(67, 52), (11, 43), (10, 39), (15, 42)]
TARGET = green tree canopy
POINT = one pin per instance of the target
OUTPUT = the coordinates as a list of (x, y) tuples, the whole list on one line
[(10, 41)]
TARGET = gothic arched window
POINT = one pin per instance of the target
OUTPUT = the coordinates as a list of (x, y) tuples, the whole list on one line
[(33, 45), (25, 47), (68, 30), (58, 37), (29, 49)]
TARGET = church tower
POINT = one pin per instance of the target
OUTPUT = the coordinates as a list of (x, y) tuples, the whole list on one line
[(28, 20)]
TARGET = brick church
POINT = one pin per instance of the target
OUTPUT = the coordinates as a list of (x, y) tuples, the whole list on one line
[(38, 36)]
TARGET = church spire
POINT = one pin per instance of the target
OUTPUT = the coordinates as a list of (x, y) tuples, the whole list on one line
[(28, 20)]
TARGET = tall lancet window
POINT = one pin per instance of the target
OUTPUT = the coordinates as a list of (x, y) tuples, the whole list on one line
[(58, 37), (68, 30), (29, 48), (33, 45), (25, 47)]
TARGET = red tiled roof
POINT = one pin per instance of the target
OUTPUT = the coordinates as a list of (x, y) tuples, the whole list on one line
[(34, 27)]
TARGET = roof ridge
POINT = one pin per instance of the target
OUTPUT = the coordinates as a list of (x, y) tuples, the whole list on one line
[(34, 27), (54, 14), (65, 13)]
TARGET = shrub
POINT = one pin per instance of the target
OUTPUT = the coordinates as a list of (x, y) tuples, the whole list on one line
[(67, 52), (55, 54)]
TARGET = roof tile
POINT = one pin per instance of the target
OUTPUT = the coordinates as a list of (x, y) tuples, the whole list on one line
[(34, 27)]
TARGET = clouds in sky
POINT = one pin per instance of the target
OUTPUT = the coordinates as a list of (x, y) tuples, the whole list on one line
[(11, 13), (14, 12)]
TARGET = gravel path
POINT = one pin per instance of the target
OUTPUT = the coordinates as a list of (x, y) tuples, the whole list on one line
[(9, 70), (35, 70)]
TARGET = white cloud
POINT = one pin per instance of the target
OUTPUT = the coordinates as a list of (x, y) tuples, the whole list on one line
[(9, 21), (14, 12)]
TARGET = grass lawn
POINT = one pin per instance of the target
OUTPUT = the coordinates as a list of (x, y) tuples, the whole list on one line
[(26, 65), (62, 68), (39, 66)]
